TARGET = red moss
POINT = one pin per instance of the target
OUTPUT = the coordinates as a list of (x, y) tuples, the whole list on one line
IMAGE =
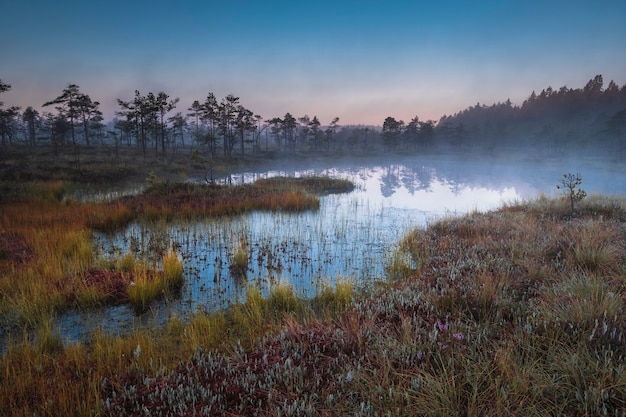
[(14, 251), (111, 284)]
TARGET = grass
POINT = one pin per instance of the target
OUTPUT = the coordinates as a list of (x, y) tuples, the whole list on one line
[(318, 185), (239, 259), (46, 378), (148, 285), (518, 311), (48, 263)]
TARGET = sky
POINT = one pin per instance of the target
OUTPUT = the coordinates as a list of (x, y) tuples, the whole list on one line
[(360, 61)]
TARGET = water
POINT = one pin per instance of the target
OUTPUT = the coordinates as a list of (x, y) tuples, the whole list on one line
[(350, 237)]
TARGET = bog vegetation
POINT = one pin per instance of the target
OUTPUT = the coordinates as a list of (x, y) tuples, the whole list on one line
[(516, 311)]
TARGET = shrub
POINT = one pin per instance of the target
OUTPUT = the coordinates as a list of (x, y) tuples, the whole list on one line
[(569, 184)]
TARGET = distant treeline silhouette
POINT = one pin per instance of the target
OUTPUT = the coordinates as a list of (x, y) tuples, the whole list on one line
[(591, 119)]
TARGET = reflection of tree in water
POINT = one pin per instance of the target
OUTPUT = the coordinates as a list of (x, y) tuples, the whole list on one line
[(455, 186), (457, 177), (389, 181), (418, 178), (413, 179)]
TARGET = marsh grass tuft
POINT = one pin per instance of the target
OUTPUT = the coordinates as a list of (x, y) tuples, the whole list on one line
[(332, 300), (149, 285), (127, 263), (201, 331), (48, 339), (249, 318), (581, 303), (283, 300), (109, 218), (172, 270), (239, 259), (46, 192)]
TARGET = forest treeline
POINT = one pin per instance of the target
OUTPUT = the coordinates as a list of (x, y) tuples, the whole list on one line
[(588, 119), (591, 119)]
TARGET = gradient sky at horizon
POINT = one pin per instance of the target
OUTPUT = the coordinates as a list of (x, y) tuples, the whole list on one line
[(360, 61)]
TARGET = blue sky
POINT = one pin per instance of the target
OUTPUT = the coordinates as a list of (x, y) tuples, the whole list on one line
[(360, 61)]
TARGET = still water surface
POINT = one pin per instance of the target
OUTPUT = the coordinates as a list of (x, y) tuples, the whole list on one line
[(351, 236)]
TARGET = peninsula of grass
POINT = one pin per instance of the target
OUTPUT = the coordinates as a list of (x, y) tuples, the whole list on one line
[(48, 260), (189, 200), (519, 311)]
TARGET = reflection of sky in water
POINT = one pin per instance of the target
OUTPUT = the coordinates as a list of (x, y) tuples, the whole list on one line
[(351, 236), (439, 197), (424, 190)]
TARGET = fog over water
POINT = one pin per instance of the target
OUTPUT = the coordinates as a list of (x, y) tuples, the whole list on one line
[(351, 236)]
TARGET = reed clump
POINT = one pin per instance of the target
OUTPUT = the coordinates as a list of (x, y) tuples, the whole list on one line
[(148, 285), (239, 259)]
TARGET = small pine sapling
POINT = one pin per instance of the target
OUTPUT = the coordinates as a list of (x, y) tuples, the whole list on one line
[(570, 184)]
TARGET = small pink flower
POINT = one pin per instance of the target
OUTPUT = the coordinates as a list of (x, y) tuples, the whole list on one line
[(458, 336), (441, 326)]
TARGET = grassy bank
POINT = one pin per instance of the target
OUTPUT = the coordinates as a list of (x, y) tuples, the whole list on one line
[(519, 311), (41, 376)]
